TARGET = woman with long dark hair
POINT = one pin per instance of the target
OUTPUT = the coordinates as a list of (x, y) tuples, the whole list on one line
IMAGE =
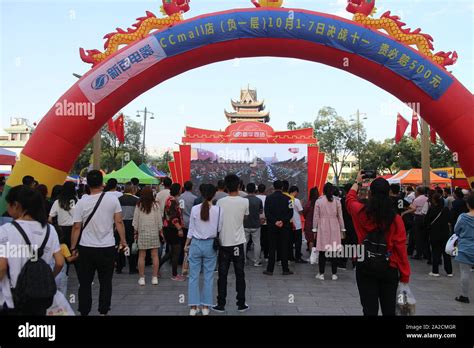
[(329, 225), (385, 261), (173, 230), (25, 206), (308, 213), (437, 225), (204, 225), (43, 190), (147, 222), (63, 210), (55, 192)]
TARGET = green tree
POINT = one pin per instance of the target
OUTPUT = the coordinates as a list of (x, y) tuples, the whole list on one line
[(407, 154), (291, 125), (441, 156), (161, 162), (378, 156), (84, 160), (337, 137), (113, 152)]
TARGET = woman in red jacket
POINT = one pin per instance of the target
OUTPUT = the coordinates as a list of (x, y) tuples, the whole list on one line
[(385, 259)]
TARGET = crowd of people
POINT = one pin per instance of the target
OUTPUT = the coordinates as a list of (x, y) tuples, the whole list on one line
[(101, 228), (259, 171)]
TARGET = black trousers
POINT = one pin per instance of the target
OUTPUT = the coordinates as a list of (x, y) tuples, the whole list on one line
[(227, 255), (90, 261), (375, 288), (294, 245), (174, 250), (279, 239), (182, 241), (438, 247), (130, 237), (264, 240), (322, 263), (422, 238), (66, 231)]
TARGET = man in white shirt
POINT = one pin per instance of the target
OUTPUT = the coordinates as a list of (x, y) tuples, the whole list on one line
[(164, 194), (112, 187), (297, 239), (232, 241), (410, 197), (96, 244)]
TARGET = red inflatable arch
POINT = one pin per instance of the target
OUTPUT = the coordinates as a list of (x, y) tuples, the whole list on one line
[(111, 85)]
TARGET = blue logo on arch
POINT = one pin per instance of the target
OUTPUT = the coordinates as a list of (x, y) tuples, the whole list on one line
[(100, 82)]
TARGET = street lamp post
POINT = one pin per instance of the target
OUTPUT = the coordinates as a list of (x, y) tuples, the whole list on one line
[(358, 115), (145, 113)]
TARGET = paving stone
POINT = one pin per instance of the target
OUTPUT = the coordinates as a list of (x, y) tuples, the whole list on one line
[(270, 295)]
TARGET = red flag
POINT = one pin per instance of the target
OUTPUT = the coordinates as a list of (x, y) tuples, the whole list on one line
[(111, 126), (402, 126), (414, 125), (119, 129), (433, 135)]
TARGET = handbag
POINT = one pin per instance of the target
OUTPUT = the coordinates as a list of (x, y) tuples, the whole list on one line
[(60, 306), (217, 243), (406, 302), (313, 259), (134, 249), (452, 245), (185, 269)]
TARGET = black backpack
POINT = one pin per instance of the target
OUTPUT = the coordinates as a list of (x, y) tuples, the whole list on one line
[(376, 256), (35, 283)]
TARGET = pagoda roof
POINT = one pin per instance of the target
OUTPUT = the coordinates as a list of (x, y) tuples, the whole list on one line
[(255, 104), (252, 93), (263, 115)]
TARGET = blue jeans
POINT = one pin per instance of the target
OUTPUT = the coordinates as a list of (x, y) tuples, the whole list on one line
[(201, 254)]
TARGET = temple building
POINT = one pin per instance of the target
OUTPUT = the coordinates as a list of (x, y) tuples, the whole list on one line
[(248, 108)]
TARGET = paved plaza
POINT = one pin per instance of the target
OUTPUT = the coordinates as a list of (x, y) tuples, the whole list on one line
[(298, 294)]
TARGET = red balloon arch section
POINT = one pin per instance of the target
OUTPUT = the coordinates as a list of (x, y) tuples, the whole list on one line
[(404, 72)]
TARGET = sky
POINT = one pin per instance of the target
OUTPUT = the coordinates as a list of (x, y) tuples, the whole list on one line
[(39, 51)]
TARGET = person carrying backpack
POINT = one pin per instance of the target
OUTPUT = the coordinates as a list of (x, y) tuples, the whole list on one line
[(27, 281), (385, 261)]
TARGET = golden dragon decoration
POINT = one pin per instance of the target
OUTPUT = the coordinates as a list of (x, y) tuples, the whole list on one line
[(364, 9), (173, 9)]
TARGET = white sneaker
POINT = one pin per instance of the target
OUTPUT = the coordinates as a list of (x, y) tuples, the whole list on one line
[(141, 281), (320, 276), (154, 280), (450, 275), (334, 277), (257, 264), (193, 312), (433, 274), (205, 311)]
